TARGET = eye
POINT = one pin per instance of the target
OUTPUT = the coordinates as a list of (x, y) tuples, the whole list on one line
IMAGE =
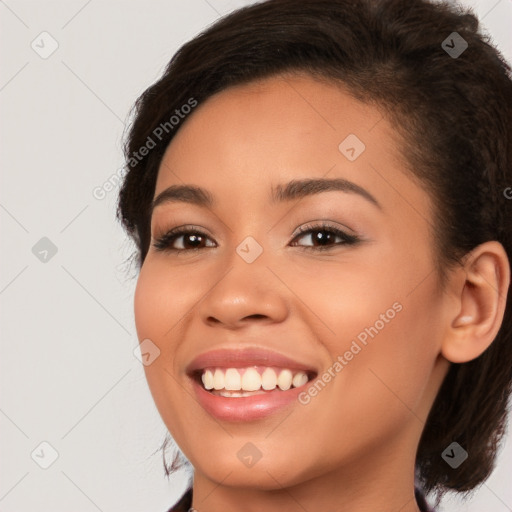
[(193, 239), (325, 235)]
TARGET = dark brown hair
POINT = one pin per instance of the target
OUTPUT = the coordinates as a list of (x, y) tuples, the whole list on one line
[(453, 116)]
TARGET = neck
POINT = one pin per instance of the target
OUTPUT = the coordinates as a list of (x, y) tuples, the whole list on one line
[(382, 479)]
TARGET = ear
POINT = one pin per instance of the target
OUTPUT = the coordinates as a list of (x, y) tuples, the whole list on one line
[(481, 286)]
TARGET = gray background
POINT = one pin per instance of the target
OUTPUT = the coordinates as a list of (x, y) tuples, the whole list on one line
[(69, 376)]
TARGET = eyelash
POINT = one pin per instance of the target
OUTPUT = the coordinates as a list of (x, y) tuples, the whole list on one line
[(164, 242)]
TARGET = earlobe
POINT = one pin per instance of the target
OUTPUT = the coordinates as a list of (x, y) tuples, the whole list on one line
[(480, 310)]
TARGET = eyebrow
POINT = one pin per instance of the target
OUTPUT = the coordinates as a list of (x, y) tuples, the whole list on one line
[(295, 189)]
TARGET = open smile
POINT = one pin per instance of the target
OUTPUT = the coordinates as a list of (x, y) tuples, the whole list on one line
[(245, 386)]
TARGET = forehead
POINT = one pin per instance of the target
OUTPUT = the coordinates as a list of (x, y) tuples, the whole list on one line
[(249, 138), (278, 114)]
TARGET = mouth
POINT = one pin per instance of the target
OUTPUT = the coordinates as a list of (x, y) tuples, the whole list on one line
[(249, 384), (250, 381)]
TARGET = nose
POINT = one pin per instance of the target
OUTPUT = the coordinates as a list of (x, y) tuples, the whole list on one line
[(244, 293)]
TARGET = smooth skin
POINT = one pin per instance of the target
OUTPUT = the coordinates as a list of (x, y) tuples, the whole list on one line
[(353, 446)]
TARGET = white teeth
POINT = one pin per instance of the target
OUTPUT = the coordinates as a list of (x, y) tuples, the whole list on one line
[(284, 381), (239, 394), (218, 379), (232, 380), (299, 380), (269, 379), (237, 381), (251, 381), (207, 379)]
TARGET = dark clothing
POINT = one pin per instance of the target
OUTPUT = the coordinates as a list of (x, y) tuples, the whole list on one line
[(186, 502)]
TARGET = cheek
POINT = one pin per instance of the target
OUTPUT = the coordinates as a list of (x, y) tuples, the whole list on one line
[(162, 297), (148, 301), (385, 380), (385, 326), (156, 319), (149, 321)]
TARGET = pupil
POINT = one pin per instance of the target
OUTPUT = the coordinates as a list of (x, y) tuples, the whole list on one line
[(322, 238), (195, 238)]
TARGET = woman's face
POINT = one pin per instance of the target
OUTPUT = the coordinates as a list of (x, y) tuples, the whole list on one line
[(358, 313)]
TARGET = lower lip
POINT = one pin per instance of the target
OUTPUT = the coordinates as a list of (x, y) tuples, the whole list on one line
[(246, 408)]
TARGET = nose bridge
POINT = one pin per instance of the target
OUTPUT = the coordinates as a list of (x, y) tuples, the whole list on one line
[(245, 287)]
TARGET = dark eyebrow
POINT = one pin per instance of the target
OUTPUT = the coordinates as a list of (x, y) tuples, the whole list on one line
[(295, 189), (186, 194)]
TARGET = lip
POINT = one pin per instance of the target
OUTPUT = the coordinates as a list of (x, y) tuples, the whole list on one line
[(250, 408), (247, 408), (242, 358)]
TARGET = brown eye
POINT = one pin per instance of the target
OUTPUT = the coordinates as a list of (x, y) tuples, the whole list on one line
[(190, 240), (324, 237)]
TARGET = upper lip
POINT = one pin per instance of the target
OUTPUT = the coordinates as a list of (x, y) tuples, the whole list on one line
[(243, 358)]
